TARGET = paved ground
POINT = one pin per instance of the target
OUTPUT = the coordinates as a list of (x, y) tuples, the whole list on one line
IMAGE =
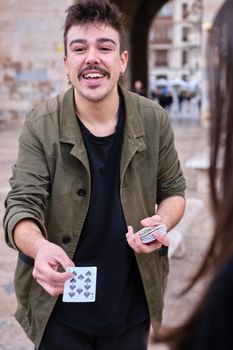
[(189, 141)]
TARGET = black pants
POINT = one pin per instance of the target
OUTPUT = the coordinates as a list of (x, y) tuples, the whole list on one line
[(59, 337)]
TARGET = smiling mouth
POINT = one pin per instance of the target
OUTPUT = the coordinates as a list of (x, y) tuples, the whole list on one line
[(93, 76), (93, 72)]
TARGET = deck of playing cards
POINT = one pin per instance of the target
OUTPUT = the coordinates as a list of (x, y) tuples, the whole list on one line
[(80, 288), (147, 233)]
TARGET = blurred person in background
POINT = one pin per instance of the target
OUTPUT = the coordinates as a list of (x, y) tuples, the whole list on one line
[(93, 165), (138, 88), (210, 325), (163, 94)]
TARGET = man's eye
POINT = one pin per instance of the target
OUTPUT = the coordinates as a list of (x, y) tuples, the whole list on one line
[(79, 49), (105, 49)]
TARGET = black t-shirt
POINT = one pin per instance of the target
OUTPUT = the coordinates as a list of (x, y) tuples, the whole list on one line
[(120, 298)]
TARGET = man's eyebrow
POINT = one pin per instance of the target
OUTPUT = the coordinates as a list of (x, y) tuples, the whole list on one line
[(100, 40), (104, 40), (78, 41)]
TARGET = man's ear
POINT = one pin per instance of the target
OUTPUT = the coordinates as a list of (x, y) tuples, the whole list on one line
[(66, 65), (65, 61), (124, 61)]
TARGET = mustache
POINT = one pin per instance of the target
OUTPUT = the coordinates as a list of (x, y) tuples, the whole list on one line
[(93, 67)]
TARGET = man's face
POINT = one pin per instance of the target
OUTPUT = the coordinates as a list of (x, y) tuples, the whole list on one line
[(138, 84), (93, 60)]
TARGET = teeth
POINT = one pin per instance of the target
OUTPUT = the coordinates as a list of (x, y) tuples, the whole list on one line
[(93, 75)]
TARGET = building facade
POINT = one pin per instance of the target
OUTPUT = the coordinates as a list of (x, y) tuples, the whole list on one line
[(31, 57), (175, 41)]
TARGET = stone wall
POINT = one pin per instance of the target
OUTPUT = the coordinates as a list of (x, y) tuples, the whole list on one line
[(31, 54)]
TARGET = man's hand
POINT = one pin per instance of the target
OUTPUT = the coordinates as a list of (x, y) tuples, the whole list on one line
[(136, 244), (169, 213), (49, 257)]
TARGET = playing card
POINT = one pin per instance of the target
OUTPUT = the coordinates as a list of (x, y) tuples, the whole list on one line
[(147, 233), (81, 288)]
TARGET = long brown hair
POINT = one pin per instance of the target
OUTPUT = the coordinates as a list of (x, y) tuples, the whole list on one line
[(220, 81)]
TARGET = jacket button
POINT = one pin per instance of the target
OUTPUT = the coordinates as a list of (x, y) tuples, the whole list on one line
[(81, 192), (66, 240)]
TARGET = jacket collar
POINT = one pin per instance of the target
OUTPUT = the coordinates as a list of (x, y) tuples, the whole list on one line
[(69, 128), (133, 122), (70, 131)]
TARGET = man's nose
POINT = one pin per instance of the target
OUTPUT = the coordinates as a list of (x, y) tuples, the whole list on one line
[(92, 57)]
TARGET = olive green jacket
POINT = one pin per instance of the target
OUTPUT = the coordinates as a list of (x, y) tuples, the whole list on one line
[(51, 184)]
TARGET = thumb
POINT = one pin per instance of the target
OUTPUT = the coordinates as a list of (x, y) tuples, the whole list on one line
[(62, 259), (66, 262), (151, 221)]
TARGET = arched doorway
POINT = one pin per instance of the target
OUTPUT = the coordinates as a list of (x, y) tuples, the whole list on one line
[(139, 15)]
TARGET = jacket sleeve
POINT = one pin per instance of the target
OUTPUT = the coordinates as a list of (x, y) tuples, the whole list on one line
[(29, 184), (170, 180)]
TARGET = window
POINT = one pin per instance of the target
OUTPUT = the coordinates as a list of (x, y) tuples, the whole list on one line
[(161, 58), (185, 11), (161, 76), (162, 33), (184, 58), (185, 34)]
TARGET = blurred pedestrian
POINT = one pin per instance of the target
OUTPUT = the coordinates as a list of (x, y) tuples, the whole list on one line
[(138, 88), (165, 97), (181, 97), (93, 165), (209, 326)]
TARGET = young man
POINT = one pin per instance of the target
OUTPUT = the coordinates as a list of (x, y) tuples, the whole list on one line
[(92, 162)]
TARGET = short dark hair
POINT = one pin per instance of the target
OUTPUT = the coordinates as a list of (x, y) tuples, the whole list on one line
[(95, 11)]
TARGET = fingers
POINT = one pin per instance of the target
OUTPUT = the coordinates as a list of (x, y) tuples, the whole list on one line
[(133, 239), (136, 244), (49, 258), (54, 286), (50, 276), (163, 239)]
